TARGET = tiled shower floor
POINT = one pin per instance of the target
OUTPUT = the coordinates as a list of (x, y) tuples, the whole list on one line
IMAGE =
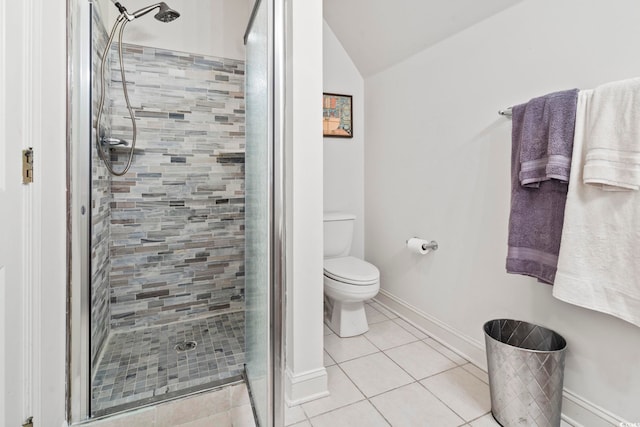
[(142, 366)]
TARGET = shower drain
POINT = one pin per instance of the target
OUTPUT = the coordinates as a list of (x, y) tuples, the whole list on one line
[(185, 346)]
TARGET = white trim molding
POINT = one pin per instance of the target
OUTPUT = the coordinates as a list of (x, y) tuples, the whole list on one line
[(30, 41), (459, 343), (4, 62), (3, 160), (577, 411), (306, 386)]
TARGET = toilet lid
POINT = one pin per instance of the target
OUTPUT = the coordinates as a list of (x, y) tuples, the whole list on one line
[(351, 270)]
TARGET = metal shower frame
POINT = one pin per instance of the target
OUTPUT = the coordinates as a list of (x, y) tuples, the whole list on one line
[(79, 139)]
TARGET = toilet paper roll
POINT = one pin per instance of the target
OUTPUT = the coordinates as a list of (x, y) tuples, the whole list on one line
[(415, 245)]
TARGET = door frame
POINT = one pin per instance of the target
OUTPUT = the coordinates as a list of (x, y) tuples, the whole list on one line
[(33, 73)]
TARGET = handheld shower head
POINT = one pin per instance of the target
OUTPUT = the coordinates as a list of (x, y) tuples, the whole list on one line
[(165, 13)]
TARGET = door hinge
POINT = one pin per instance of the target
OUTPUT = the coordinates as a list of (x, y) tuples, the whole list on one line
[(29, 422), (27, 166)]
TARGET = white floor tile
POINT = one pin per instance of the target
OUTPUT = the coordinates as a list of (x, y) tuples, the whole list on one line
[(477, 372), (356, 415), (219, 420), (375, 374), (446, 351), (410, 328), (373, 315), (304, 423), (384, 310), (461, 391), (420, 360), (242, 416), (413, 405), (239, 395), (485, 421), (328, 361), (193, 408), (343, 393), (293, 415), (342, 349), (388, 334), (141, 417)]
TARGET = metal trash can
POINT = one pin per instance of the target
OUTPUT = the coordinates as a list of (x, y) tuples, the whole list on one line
[(526, 371)]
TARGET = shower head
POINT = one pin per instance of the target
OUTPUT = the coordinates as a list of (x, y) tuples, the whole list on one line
[(165, 14)]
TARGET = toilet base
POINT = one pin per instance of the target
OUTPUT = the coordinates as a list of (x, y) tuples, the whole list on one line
[(346, 319)]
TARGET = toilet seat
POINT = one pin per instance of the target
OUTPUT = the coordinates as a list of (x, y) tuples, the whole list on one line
[(351, 270)]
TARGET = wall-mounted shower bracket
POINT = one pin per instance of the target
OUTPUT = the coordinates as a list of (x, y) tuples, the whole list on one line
[(108, 142)]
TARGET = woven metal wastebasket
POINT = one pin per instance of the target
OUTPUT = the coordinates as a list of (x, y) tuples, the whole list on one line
[(526, 371)]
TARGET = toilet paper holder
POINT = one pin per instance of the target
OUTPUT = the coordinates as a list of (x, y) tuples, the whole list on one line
[(432, 245)]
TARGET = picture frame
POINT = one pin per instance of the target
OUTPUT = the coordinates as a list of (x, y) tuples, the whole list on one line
[(337, 115)]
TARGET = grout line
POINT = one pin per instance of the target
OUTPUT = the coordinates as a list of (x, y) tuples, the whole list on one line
[(399, 321), (398, 316), (481, 416), (481, 379), (448, 357), (396, 346), (338, 407), (464, 420), (380, 412)]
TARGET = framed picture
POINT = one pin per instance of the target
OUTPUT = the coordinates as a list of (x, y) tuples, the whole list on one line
[(337, 120)]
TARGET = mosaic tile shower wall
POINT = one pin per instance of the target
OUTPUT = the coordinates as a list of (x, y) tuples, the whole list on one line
[(177, 217), (100, 208)]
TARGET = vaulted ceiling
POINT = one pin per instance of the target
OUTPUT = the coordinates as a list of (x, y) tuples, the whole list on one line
[(380, 33)]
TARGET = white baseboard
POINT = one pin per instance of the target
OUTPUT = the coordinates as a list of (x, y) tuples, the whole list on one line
[(306, 386), (458, 342), (588, 414), (576, 410)]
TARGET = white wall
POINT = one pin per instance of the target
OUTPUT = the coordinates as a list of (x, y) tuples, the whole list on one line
[(207, 27), (306, 376), (437, 166), (344, 158)]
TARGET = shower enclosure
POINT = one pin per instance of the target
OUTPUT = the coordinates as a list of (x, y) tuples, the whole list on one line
[(174, 208)]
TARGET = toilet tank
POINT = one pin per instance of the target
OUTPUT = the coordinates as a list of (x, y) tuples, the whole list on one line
[(338, 233)]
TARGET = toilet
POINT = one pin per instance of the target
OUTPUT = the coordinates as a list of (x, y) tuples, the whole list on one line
[(348, 281)]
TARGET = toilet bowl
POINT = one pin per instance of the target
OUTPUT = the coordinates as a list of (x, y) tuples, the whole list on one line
[(348, 281)]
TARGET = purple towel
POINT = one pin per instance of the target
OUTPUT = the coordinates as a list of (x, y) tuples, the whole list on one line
[(547, 134), (537, 207)]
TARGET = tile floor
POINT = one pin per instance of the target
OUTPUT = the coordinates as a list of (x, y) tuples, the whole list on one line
[(396, 375), (143, 364), (226, 407)]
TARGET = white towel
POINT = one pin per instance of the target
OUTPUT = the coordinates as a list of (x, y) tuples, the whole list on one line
[(599, 259), (613, 137)]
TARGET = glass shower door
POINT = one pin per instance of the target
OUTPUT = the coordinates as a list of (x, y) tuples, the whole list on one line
[(262, 260)]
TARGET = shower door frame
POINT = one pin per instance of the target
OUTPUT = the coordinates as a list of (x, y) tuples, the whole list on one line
[(79, 128), (79, 222), (276, 291)]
